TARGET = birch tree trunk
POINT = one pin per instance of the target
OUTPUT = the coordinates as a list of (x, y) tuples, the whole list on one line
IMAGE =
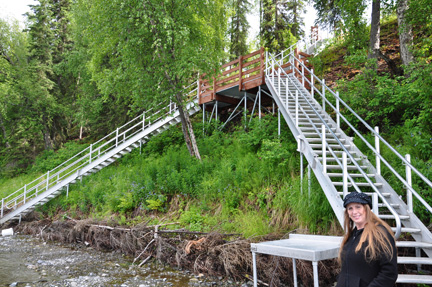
[(374, 44), (405, 33)]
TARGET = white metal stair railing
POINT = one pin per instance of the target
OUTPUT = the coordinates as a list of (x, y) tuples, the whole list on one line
[(331, 154), (95, 157)]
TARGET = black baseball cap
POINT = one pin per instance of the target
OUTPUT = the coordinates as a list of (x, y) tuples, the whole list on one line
[(357, 197)]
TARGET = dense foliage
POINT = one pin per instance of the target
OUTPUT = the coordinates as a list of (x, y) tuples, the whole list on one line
[(246, 181)]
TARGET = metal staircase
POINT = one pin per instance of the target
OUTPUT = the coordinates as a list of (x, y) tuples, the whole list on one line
[(92, 159), (338, 164)]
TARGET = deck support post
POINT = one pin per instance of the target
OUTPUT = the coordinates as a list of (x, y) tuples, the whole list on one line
[(295, 272), (203, 108), (259, 103), (216, 115), (245, 108)]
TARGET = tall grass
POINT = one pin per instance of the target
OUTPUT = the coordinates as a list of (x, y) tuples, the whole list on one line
[(247, 182)]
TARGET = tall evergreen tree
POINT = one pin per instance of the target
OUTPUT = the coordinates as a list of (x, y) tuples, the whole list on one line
[(280, 23), (238, 28)]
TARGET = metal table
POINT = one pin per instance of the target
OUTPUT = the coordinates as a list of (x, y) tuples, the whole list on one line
[(299, 246)]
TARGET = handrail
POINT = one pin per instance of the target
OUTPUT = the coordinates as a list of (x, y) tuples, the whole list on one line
[(377, 135), (271, 77), (92, 152)]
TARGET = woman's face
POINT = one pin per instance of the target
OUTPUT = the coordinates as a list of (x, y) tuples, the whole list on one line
[(357, 213)]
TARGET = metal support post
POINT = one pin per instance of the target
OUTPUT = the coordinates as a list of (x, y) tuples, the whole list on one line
[(143, 121), (279, 123), (409, 181), (375, 208), (337, 110), (295, 272), (296, 110), (324, 149), (315, 273), (255, 279), (117, 132), (345, 173), (279, 91), (309, 181), (67, 190), (259, 102), (303, 75), (377, 151), (286, 94), (90, 153), (323, 96), (245, 108), (2, 207), (312, 83), (418, 254), (301, 173), (216, 115), (203, 118), (47, 184)]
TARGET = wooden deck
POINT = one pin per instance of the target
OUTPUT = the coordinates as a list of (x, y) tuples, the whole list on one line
[(246, 73), (233, 79)]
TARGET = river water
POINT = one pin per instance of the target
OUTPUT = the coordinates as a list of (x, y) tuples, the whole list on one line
[(28, 261)]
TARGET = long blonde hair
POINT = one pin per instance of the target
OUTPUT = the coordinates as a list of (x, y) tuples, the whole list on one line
[(377, 238)]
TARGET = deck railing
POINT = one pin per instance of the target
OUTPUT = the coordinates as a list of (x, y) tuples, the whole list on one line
[(246, 72)]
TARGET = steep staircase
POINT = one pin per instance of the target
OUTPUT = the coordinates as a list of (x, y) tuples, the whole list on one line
[(315, 114), (97, 156)]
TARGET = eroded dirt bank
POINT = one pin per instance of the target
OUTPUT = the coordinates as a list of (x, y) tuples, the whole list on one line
[(223, 260)]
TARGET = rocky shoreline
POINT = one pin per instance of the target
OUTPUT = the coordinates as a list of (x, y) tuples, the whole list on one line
[(88, 253)]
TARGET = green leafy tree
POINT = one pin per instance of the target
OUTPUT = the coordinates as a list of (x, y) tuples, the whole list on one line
[(148, 51)]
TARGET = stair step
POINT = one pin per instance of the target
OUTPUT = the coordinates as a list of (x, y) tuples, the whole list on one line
[(414, 278), (390, 216), (328, 140), (333, 146), (308, 134), (415, 260), (336, 174), (385, 194), (413, 244), (407, 229), (394, 205), (349, 167), (338, 183), (334, 159)]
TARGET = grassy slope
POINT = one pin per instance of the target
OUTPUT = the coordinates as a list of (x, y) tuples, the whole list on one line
[(247, 183)]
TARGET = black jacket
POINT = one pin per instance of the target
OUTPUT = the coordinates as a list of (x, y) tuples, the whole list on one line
[(357, 272)]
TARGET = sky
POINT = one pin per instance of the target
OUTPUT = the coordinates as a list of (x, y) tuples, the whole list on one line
[(14, 9)]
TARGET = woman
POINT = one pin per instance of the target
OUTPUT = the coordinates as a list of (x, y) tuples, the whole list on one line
[(368, 252)]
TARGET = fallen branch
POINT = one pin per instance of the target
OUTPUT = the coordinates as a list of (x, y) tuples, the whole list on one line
[(144, 261), (143, 250)]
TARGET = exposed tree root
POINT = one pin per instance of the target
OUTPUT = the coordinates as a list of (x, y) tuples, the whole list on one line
[(210, 254)]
